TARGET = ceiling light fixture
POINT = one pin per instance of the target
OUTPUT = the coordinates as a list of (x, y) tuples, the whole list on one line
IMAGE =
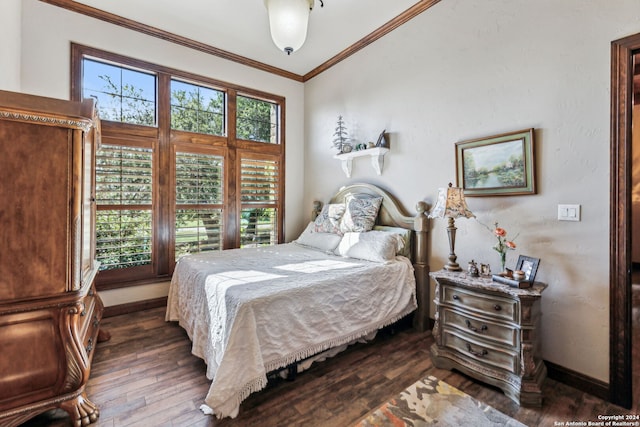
[(288, 21)]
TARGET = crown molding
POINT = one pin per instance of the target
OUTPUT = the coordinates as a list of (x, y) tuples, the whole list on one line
[(130, 24)]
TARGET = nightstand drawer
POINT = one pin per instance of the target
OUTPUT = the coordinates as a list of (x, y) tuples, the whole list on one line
[(482, 353), (489, 305), (494, 331)]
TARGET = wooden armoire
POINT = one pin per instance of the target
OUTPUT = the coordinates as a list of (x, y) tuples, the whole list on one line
[(49, 310)]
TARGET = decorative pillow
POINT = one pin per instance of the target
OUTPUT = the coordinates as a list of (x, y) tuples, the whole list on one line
[(329, 219), (360, 214), (326, 242), (377, 246), (404, 249)]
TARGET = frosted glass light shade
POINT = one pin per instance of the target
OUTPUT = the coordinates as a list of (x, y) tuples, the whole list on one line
[(288, 21)]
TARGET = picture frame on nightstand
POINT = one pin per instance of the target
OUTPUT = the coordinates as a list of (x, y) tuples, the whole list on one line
[(529, 266)]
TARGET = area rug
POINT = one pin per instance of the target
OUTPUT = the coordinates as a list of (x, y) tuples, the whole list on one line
[(431, 402)]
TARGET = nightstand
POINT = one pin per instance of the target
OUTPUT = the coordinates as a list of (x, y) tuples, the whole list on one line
[(490, 332)]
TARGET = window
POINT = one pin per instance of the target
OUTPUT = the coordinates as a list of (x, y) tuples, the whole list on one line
[(259, 200), (187, 164), (124, 199), (257, 120), (196, 108), (122, 94), (199, 203)]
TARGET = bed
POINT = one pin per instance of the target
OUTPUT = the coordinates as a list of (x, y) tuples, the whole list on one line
[(252, 311)]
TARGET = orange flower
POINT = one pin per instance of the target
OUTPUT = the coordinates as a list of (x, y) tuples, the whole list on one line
[(502, 244)]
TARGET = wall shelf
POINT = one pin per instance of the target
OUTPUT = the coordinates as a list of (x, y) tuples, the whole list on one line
[(376, 154)]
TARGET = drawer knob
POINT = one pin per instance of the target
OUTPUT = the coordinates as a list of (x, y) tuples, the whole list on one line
[(456, 297), (473, 328), (497, 307), (476, 353)]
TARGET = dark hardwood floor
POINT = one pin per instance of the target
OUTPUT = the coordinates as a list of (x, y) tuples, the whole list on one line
[(146, 376)]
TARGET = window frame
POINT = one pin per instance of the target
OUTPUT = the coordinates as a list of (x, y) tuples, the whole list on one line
[(165, 141)]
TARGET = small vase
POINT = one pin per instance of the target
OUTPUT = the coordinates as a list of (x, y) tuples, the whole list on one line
[(503, 260)]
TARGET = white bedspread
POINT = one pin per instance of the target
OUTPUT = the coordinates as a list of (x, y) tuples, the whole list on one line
[(251, 311)]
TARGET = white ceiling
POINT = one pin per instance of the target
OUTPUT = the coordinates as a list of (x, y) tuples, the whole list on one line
[(242, 26)]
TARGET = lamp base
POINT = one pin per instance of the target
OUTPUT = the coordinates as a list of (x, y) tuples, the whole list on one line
[(452, 266)]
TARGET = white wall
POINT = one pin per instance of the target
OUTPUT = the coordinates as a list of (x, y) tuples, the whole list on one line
[(463, 70), (10, 15), (47, 32)]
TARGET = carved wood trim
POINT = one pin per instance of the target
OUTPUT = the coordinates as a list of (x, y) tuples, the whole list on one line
[(622, 51), (45, 119)]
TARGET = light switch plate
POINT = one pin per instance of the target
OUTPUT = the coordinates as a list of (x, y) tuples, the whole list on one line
[(568, 212)]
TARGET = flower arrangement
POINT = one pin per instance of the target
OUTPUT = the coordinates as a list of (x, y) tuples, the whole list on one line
[(503, 245)]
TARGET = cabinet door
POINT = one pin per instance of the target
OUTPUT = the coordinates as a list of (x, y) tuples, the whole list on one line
[(34, 212)]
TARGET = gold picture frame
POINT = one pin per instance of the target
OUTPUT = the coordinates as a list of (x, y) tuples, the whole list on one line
[(500, 165)]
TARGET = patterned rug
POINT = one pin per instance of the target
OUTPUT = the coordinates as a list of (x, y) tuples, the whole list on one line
[(431, 402)]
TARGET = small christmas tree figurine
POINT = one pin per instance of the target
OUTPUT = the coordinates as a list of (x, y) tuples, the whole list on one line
[(340, 137)]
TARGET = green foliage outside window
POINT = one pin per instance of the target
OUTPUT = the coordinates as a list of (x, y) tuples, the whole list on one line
[(197, 109), (124, 235), (122, 94), (257, 120)]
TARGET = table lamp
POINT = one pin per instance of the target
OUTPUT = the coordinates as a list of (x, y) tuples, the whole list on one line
[(450, 204)]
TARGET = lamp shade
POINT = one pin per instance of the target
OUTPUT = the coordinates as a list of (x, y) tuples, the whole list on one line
[(288, 21), (450, 204)]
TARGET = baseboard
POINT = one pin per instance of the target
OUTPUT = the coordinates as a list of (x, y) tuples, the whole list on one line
[(116, 310), (578, 381)]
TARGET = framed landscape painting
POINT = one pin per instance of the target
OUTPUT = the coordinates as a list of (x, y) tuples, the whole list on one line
[(500, 165)]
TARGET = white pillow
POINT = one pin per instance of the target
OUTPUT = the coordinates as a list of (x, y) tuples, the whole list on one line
[(326, 242), (404, 248), (377, 246)]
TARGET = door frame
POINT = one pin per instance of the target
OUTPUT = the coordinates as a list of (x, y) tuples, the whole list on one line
[(620, 367)]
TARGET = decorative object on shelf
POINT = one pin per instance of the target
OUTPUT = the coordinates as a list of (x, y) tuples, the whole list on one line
[(346, 148), (360, 147), (288, 22), (510, 280), (473, 269), (529, 267), (503, 245), (340, 136), (518, 275), (451, 204), (376, 154), (485, 270), (500, 165), (382, 140)]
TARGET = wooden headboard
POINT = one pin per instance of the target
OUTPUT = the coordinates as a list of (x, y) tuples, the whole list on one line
[(391, 213)]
